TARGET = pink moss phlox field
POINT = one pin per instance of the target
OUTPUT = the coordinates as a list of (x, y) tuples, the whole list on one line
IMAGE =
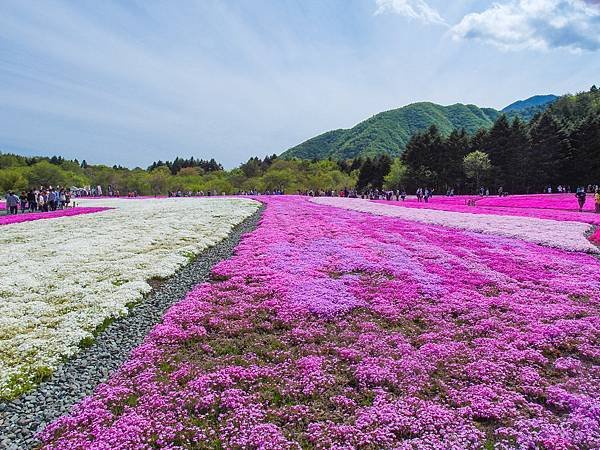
[(27, 217), (541, 206), (566, 202), (331, 328)]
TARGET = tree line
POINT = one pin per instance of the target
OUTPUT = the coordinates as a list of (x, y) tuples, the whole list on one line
[(18, 173), (181, 163)]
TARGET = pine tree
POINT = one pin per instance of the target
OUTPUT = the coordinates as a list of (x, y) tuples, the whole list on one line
[(549, 149), (365, 174), (583, 162), (453, 150), (423, 158), (498, 146), (517, 175), (381, 168)]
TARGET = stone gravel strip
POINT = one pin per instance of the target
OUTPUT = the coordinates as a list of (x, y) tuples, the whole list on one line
[(22, 418)]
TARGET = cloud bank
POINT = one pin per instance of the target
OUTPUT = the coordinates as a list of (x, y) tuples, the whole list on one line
[(535, 25)]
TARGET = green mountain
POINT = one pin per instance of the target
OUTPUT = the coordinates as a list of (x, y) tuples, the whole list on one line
[(531, 102), (389, 131), (527, 109)]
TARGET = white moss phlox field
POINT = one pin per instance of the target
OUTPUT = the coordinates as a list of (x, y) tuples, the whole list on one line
[(551, 233), (62, 278)]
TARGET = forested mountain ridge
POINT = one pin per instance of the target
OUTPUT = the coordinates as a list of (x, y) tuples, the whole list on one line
[(529, 108), (389, 131), (535, 101)]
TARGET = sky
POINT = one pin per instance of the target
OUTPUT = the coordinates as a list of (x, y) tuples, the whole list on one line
[(131, 82)]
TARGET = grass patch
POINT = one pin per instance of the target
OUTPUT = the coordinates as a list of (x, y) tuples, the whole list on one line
[(88, 341)]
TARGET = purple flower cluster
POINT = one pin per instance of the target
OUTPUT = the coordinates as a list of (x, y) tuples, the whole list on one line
[(331, 328)]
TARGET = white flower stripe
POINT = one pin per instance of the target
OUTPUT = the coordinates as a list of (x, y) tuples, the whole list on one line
[(61, 278)]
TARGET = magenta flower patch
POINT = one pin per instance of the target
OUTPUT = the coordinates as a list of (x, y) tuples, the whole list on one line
[(27, 217)]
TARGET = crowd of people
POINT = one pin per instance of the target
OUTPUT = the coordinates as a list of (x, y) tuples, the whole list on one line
[(50, 199), (97, 191), (214, 193), (43, 199), (265, 192)]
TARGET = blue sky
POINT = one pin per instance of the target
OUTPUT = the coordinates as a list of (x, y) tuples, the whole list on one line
[(130, 82)]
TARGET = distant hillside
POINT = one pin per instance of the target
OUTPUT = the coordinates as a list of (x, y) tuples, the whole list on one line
[(527, 109), (390, 131), (535, 101)]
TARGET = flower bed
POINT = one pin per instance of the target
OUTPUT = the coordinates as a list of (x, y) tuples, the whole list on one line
[(565, 202), (28, 217), (331, 328), (565, 235), (61, 279), (587, 216)]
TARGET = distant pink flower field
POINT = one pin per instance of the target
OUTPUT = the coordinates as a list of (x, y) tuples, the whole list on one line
[(561, 207), (566, 202), (28, 217)]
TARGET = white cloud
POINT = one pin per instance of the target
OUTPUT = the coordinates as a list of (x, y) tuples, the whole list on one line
[(413, 9), (535, 24)]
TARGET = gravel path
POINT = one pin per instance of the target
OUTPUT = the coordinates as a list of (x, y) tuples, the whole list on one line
[(22, 418)]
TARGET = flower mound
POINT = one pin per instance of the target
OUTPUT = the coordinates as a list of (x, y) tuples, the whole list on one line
[(564, 235), (332, 328), (62, 279), (28, 217)]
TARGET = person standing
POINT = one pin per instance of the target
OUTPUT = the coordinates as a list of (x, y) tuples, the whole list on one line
[(41, 202), (597, 198), (12, 203), (31, 200), (23, 201), (62, 198), (49, 203), (580, 194)]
